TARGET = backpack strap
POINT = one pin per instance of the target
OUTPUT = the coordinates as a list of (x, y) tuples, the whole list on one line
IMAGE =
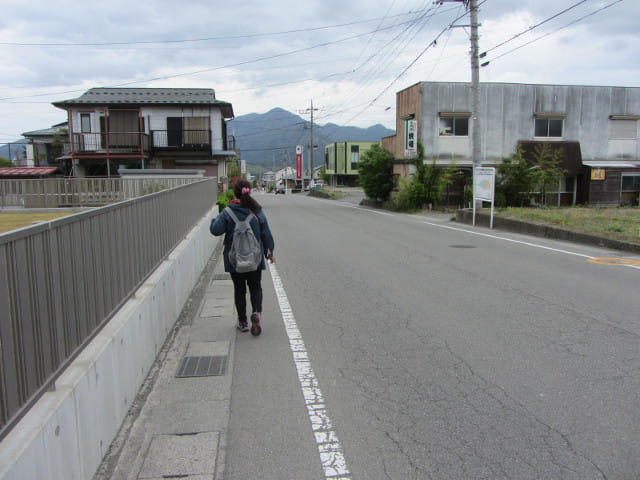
[(233, 216)]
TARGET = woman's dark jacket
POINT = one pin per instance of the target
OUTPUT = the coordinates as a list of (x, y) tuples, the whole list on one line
[(223, 223)]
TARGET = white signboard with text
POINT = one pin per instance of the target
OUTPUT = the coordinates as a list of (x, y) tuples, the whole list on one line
[(484, 187)]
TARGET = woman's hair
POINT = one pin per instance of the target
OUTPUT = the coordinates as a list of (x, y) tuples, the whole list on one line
[(242, 191)]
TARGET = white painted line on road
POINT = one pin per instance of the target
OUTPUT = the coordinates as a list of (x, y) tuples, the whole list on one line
[(329, 447), (495, 237), (521, 242)]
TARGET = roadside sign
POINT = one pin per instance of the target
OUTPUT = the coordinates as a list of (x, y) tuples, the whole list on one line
[(410, 138), (298, 162), (484, 185)]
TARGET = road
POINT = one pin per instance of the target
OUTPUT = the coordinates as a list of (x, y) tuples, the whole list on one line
[(441, 351)]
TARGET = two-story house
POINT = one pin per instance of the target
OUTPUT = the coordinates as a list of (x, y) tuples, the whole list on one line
[(138, 128), (594, 130)]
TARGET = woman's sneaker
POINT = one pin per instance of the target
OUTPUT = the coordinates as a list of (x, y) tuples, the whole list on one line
[(242, 326), (256, 329)]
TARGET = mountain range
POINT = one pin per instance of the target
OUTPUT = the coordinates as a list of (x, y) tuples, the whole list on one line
[(268, 140)]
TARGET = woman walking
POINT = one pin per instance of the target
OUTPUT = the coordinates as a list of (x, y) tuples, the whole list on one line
[(243, 206)]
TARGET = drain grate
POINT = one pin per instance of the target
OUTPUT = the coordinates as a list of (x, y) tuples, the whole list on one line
[(202, 366)]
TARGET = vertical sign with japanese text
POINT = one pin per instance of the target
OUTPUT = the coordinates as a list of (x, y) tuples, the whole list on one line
[(410, 137), (299, 162)]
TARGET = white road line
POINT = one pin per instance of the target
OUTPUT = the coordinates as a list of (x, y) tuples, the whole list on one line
[(486, 235), (329, 447)]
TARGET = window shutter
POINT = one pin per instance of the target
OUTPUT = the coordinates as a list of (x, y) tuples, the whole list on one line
[(624, 129)]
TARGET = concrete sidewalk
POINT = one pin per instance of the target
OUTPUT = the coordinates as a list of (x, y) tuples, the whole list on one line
[(177, 427)]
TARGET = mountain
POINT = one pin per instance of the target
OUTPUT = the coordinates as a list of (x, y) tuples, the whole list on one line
[(268, 139), (17, 149)]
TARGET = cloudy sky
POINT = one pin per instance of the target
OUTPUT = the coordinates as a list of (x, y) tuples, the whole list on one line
[(349, 57)]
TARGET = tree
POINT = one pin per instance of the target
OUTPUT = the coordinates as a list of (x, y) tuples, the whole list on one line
[(515, 181), (375, 172), (546, 170), (428, 182)]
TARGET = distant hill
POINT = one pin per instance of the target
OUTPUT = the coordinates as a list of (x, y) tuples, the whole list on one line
[(265, 139), (17, 149)]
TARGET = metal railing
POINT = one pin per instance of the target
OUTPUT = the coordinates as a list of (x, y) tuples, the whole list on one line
[(62, 280), (181, 139), (113, 142), (81, 192)]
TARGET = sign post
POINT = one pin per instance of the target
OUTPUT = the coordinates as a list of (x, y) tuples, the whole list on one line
[(484, 185), (298, 162)]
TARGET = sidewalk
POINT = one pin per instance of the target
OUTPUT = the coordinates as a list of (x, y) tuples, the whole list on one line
[(178, 424)]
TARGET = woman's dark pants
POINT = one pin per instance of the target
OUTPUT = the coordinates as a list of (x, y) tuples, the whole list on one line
[(240, 282)]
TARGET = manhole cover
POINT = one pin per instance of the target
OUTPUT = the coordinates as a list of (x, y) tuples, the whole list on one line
[(202, 366), (462, 246)]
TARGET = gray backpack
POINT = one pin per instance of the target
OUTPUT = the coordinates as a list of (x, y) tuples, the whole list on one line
[(245, 254)]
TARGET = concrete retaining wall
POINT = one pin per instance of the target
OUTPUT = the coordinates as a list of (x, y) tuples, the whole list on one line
[(67, 432)]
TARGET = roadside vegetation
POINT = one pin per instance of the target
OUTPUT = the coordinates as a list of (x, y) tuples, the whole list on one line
[(621, 224), (523, 187), (14, 220)]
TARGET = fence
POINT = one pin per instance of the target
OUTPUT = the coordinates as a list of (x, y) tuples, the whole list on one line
[(61, 281), (81, 192)]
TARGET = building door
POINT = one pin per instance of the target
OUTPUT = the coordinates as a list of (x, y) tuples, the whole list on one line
[(174, 131)]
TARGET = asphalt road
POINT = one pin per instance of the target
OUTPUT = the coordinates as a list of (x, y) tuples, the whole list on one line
[(441, 350)]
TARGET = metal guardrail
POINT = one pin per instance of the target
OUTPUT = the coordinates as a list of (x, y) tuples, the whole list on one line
[(62, 280), (81, 192)]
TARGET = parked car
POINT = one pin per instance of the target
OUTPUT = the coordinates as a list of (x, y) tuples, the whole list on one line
[(279, 189)]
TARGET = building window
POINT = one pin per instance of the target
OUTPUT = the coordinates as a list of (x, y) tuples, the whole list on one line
[(85, 122), (631, 183), (454, 126), (355, 154), (623, 129), (548, 127)]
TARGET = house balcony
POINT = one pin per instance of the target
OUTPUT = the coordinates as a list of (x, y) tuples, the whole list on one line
[(110, 143), (181, 140)]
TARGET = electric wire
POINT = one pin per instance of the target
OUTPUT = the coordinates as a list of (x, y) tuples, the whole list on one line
[(552, 32)]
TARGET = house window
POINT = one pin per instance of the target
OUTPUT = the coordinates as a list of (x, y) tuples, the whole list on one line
[(451, 126), (355, 154), (548, 127), (85, 122)]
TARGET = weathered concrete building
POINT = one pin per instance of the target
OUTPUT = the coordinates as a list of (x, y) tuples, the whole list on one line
[(595, 130)]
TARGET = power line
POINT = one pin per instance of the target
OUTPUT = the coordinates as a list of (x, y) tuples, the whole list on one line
[(196, 72), (552, 32), (536, 26), (195, 40)]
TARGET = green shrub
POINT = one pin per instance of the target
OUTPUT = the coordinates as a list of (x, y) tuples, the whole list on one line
[(224, 198)]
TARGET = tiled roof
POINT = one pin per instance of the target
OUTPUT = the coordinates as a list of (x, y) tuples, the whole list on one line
[(148, 96), (26, 171)]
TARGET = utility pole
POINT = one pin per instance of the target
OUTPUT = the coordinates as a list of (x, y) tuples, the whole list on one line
[(311, 110), (475, 82), (475, 85)]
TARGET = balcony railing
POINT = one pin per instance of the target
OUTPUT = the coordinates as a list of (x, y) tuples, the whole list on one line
[(195, 140), (113, 142)]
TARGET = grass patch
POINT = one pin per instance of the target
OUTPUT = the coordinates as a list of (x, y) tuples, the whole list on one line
[(616, 223), (14, 220)]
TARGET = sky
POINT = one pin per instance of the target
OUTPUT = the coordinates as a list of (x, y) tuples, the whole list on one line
[(348, 58)]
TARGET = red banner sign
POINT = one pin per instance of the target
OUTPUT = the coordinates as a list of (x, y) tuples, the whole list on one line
[(299, 162)]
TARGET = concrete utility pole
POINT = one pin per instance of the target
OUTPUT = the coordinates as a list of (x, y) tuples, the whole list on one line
[(311, 109), (472, 5)]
